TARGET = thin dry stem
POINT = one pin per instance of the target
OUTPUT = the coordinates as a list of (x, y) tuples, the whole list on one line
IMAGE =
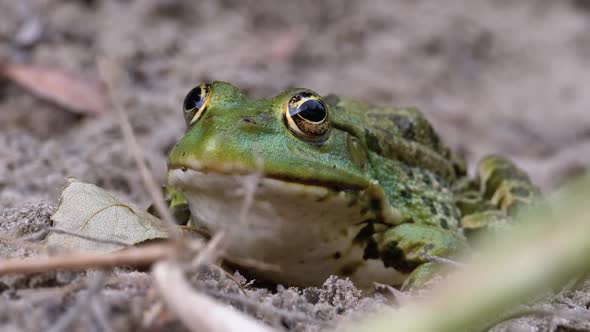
[(140, 256), (97, 306), (75, 311), (199, 312), (112, 75), (272, 313), (151, 315), (400, 297), (85, 237), (443, 260)]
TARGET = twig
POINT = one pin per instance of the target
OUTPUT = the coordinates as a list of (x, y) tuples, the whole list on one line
[(443, 260), (254, 304), (74, 234), (132, 256), (112, 75), (37, 295), (573, 305), (82, 304), (136, 256), (400, 297), (151, 315), (36, 236), (199, 312), (208, 252), (99, 314)]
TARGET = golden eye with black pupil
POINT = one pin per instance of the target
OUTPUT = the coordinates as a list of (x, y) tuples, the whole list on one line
[(307, 117), (195, 103)]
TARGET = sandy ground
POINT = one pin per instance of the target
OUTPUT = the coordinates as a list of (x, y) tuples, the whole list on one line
[(494, 76)]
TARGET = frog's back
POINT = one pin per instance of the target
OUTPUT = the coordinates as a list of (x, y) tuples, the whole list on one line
[(411, 163), (395, 133)]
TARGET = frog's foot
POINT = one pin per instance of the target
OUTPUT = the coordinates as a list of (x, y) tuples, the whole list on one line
[(505, 185), (504, 190), (486, 222), (407, 248)]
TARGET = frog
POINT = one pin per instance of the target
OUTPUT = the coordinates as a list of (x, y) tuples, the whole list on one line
[(342, 187)]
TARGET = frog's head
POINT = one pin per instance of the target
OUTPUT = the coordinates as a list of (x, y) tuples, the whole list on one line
[(315, 174), (289, 137)]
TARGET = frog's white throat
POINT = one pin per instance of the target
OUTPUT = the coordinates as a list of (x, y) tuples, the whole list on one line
[(308, 231)]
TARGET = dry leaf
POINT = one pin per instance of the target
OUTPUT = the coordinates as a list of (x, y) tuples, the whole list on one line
[(68, 90), (90, 211)]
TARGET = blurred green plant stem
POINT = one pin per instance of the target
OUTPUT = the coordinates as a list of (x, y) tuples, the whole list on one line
[(547, 250)]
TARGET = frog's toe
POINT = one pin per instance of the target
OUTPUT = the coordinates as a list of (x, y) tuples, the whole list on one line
[(504, 184), (512, 196), (504, 190), (488, 221)]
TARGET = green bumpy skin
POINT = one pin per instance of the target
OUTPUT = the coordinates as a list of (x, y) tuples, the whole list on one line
[(420, 199)]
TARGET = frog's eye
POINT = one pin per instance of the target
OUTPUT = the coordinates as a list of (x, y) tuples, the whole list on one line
[(307, 117), (195, 103)]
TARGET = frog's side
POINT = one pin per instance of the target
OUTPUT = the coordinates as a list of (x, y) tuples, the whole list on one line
[(348, 188)]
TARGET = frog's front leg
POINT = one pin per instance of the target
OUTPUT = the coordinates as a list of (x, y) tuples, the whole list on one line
[(177, 204), (498, 192), (406, 248)]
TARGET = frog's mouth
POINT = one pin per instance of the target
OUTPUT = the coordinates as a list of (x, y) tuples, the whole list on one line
[(230, 169), (224, 187), (309, 231)]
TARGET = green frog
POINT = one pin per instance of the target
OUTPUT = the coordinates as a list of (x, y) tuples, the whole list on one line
[(347, 188)]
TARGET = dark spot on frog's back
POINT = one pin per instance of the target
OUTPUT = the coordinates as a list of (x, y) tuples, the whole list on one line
[(372, 141), (434, 138), (433, 210), (427, 180), (430, 204), (446, 210), (404, 125), (406, 194)]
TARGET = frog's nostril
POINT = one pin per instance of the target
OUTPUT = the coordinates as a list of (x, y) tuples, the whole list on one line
[(247, 121)]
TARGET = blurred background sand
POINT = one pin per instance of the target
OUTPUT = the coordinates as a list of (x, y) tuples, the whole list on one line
[(494, 76)]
